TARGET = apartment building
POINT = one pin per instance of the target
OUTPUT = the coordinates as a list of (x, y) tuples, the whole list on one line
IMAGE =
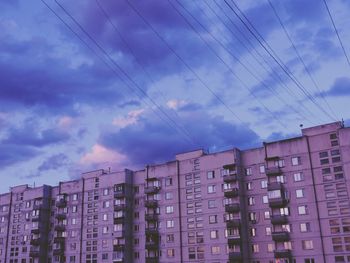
[(287, 201)]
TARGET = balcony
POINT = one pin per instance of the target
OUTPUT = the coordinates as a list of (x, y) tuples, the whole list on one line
[(234, 240), (232, 208), (151, 217), (151, 231), (152, 189), (279, 219), (120, 207), (119, 220), (233, 223), (151, 203), (59, 239), (229, 178), (152, 244), (235, 256), (35, 242), (37, 206), (60, 216), (35, 231), (275, 186), (273, 171), (283, 253), (152, 259), (278, 202), (61, 203), (281, 236), (36, 218), (233, 192), (119, 247), (60, 228), (119, 194), (58, 251), (34, 253)]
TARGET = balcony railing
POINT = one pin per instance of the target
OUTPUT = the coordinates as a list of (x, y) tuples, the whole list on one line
[(35, 242), (60, 216), (279, 219), (283, 253), (151, 203), (119, 247), (119, 194), (234, 240), (232, 208), (152, 259), (34, 253), (233, 192), (274, 186), (273, 171), (61, 203), (280, 236), (151, 217), (59, 239), (60, 228), (35, 231), (233, 223), (235, 256), (58, 251), (120, 207), (278, 202), (152, 244), (151, 231), (152, 189), (228, 178)]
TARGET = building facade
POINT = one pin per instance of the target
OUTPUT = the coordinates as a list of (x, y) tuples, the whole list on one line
[(287, 201)]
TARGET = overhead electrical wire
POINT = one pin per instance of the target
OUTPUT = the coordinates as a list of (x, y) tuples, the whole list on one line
[(223, 61), (273, 55), (183, 61), (109, 66), (336, 31), (300, 58), (264, 64), (280, 98), (132, 52)]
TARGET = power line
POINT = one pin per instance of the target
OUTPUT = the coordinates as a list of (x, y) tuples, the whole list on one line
[(336, 31), (240, 62), (273, 73), (182, 60), (300, 57), (132, 52), (104, 62), (221, 59), (273, 55)]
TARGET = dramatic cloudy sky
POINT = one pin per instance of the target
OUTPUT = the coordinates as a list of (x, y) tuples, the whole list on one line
[(105, 83)]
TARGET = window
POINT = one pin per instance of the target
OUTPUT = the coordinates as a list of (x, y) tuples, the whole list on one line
[(169, 209), (307, 244), (215, 250), (279, 163), (265, 199), (105, 191), (264, 184), (213, 219), (296, 161), (324, 161), (298, 177), (170, 238), (170, 223), (168, 195), (262, 169), (304, 227), (248, 171), (249, 186), (168, 181), (255, 248), (251, 201), (323, 154), (74, 209), (299, 193), (253, 232), (302, 210), (270, 247), (105, 217), (211, 204), (170, 252), (211, 189), (214, 234), (267, 214), (211, 175), (268, 231), (252, 216)]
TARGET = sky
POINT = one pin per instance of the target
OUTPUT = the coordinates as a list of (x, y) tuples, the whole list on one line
[(95, 84)]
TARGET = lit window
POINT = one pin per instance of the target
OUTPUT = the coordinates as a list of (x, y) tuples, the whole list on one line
[(296, 161), (214, 234), (264, 184), (299, 193), (248, 171), (251, 201), (255, 248), (265, 199), (169, 209), (267, 214), (305, 227), (170, 252), (307, 244), (298, 177), (215, 250), (302, 210), (170, 223)]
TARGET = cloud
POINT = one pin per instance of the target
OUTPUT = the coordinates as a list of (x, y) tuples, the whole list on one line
[(11, 154), (131, 118), (152, 141), (29, 134), (54, 162), (340, 87), (100, 155)]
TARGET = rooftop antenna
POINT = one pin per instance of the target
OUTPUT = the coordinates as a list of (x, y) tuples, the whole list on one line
[(342, 122)]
